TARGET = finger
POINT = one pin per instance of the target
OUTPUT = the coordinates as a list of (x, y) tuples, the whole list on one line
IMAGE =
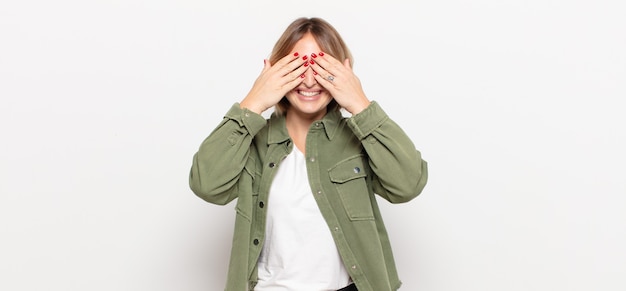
[(295, 75), (294, 83), (323, 72), (286, 59), (322, 79), (295, 64), (280, 66), (346, 63), (329, 63), (266, 65), (290, 59)]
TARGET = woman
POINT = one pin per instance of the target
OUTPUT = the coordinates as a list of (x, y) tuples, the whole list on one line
[(306, 215)]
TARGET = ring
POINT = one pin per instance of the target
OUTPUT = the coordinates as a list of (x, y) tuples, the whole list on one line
[(330, 78)]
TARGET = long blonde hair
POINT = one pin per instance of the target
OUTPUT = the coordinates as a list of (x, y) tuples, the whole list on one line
[(326, 37)]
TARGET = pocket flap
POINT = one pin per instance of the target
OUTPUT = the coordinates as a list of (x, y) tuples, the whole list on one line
[(348, 169)]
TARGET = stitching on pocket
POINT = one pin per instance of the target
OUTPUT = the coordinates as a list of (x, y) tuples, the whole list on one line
[(349, 179)]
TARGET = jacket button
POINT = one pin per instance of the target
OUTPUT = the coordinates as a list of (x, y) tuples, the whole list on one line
[(272, 165), (357, 170), (261, 204), (255, 242)]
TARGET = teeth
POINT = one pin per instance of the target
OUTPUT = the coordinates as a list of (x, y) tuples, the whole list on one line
[(309, 94)]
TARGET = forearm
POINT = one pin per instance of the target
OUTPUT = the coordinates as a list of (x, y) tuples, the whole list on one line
[(220, 159), (400, 173)]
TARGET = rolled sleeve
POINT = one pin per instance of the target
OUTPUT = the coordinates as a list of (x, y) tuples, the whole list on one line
[(252, 121), (368, 120)]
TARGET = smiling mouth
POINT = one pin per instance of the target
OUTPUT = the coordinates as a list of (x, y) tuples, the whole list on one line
[(309, 93)]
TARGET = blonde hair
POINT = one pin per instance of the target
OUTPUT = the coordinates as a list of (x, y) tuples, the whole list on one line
[(326, 37)]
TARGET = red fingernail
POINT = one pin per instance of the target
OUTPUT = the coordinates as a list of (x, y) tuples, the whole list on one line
[(306, 64), (304, 58), (296, 54), (321, 53), (314, 73), (312, 62), (314, 55), (302, 76)]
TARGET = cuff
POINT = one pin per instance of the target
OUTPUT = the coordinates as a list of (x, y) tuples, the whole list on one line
[(252, 121), (367, 120)]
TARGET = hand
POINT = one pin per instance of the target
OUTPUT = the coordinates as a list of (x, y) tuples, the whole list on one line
[(340, 81), (274, 82)]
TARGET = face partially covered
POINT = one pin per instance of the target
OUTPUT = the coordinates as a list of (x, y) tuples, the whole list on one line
[(309, 99)]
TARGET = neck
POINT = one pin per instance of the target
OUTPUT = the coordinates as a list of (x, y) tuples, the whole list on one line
[(298, 127), (302, 122)]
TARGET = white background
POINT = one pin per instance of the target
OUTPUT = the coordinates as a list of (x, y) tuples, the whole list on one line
[(517, 106)]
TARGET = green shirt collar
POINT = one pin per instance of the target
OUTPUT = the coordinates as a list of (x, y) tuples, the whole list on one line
[(278, 130)]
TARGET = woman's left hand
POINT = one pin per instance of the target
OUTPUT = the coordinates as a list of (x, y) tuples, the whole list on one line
[(340, 81)]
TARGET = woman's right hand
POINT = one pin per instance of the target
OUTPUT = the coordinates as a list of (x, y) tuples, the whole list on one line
[(274, 82)]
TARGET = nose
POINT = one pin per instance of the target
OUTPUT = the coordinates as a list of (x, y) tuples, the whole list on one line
[(309, 79)]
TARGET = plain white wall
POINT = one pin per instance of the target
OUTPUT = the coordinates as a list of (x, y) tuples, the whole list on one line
[(517, 105)]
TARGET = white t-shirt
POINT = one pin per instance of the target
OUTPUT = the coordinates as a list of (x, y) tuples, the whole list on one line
[(299, 252)]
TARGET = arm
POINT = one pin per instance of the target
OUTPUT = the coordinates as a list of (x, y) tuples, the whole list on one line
[(220, 160), (400, 174)]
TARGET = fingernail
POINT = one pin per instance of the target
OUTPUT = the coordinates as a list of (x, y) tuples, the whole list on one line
[(296, 54), (305, 57), (321, 53), (314, 73), (302, 76), (306, 64), (312, 62), (314, 55)]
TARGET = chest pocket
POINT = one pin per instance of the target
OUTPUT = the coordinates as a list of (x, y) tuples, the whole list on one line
[(349, 177), (248, 190)]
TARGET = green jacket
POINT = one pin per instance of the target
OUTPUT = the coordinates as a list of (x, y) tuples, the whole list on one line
[(348, 160)]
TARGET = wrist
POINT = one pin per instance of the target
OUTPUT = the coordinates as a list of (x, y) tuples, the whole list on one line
[(245, 104), (357, 107)]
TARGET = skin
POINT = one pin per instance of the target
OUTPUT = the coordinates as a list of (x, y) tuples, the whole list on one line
[(297, 77)]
